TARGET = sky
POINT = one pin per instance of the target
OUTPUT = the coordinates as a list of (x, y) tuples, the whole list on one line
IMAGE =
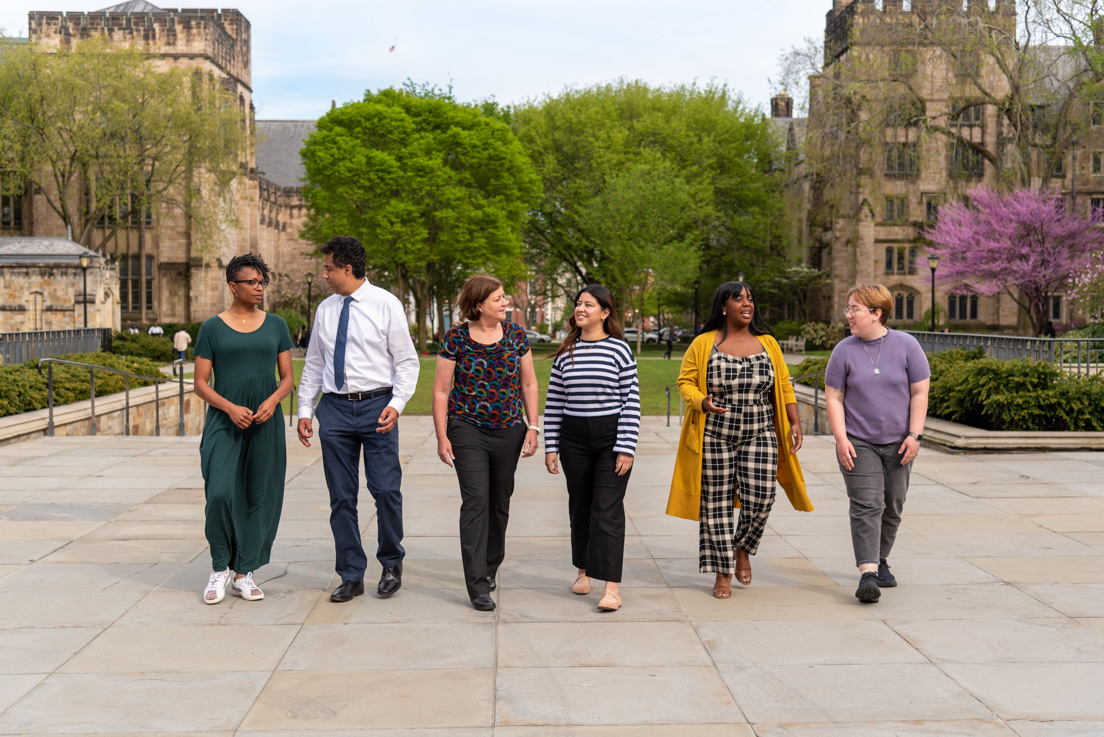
[(307, 53)]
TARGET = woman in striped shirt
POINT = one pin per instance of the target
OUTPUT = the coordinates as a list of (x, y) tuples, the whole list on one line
[(592, 419)]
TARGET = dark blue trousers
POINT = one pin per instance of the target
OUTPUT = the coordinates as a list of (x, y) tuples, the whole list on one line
[(345, 430)]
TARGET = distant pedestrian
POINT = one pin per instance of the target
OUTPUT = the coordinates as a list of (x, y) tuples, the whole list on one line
[(1049, 330), (133, 330), (877, 395), (591, 422), (242, 453), (180, 343), (741, 434), (670, 343), (485, 414), (155, 329)]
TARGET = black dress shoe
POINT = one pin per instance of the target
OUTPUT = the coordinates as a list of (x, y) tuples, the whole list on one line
[(483, 603), (390, 580), (492, 583), (347, 590)]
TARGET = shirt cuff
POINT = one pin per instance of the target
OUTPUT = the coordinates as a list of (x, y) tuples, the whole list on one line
[(306, 413), (398, 404)]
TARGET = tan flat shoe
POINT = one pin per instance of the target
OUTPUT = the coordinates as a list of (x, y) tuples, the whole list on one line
[(609, 603), (722, 589), (743, 567), (581, 585)]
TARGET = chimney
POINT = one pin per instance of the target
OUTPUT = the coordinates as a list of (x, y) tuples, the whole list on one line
[(782, 105)]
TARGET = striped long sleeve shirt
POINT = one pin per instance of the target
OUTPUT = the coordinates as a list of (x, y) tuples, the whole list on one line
[(599, 381)]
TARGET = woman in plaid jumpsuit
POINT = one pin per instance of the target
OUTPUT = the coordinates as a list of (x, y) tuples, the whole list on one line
[(741, 434)]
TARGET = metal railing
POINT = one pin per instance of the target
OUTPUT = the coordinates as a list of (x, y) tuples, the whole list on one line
[(793, 379), (127, 376), (1079, 355), (30, 345)]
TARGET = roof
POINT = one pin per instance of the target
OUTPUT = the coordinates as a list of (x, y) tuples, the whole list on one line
[(132, 6), (278, 144), (21, 249)]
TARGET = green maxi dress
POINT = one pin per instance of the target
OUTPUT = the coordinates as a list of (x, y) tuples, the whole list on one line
[(243, 470)]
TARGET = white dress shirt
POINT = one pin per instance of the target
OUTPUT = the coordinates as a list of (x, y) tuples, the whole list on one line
[(378, 351)]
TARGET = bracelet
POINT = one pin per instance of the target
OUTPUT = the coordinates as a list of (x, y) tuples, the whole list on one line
[(534, 427)]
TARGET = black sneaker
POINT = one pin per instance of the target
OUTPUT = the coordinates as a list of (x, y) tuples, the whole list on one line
[(886, 579), (868, 591)]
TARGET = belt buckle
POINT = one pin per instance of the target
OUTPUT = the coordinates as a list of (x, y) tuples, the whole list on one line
[(353, 397)]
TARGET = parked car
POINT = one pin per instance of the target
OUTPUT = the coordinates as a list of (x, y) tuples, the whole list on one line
[(535, 337), (652, 337)]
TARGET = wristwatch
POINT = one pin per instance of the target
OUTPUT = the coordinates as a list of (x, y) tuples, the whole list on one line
[(917, 435)]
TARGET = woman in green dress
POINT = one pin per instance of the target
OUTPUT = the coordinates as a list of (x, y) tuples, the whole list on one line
[(242, 452)]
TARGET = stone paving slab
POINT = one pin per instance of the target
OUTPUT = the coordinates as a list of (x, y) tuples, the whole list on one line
[(997, 628)]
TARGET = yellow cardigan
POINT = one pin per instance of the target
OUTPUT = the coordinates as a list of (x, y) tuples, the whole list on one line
[(685, 498)]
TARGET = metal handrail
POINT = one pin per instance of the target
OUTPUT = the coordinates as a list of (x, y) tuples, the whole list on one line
[(93, 368), (816, 401)]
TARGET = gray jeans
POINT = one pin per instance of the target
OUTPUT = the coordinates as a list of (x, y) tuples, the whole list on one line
[(876, 486)]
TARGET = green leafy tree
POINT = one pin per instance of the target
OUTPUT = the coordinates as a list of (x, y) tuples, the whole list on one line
[(585, 140), (105, 135), (434, 189), (642, 216)]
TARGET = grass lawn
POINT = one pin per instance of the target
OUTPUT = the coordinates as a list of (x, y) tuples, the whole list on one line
[(655, 375)]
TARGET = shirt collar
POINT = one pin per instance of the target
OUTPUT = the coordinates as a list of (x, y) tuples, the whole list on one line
[(362, 291)]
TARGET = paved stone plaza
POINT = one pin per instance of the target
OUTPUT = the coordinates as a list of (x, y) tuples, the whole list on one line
[(997, 628)]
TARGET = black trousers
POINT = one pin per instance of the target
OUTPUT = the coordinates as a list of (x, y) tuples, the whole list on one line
[(595, 495), (485, 461)]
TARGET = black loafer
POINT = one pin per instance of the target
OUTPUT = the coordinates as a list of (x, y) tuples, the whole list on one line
[(491, 583), (347, 590), (868, 591), (483, 603), (390, 580)]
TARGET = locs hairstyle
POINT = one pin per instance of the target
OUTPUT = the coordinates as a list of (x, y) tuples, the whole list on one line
[(248, 261), (346, 251), (717, 321), (605, 300)]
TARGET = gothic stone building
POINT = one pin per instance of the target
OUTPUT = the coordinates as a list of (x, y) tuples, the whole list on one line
[(874, 232), (161, 277)]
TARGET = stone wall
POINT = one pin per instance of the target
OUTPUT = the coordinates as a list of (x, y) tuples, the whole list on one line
[(74, 419), (50, 296)]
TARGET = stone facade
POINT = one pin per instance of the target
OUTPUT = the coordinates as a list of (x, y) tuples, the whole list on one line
[(161, 275), (42, 286), (874, 232)]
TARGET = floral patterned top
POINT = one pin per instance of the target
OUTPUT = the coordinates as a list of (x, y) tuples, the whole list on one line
[(486, 387)]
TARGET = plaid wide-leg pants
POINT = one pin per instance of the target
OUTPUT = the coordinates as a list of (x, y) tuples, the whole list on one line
[(739, 456)]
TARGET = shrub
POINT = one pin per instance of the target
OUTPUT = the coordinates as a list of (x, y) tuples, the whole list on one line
[(786, 329), (1092, 330), (294, 321), (22, 389), (153, 347), (1013, 395), (823, 335), (811, 365)]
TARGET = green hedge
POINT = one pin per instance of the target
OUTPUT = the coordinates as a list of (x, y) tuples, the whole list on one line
[(969, 388), (22, 389)]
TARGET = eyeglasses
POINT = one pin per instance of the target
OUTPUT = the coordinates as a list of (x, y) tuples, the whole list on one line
[(849, 310), (251, 283)]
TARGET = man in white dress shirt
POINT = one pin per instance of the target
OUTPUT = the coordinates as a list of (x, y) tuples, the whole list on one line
[(362, 361)]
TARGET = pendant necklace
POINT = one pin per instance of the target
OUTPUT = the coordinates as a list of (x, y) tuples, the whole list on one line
[(872, 361)]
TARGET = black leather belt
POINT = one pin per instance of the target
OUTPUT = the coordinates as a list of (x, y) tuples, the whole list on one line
[(359, 396)]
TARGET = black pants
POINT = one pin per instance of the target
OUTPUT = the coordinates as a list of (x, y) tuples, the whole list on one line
[(485, 463), (596, 495)]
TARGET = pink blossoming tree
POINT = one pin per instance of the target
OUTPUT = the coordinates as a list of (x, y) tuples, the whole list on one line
[(1024, 243)]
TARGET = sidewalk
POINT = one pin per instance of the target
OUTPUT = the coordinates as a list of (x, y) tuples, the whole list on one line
[(996, 630)]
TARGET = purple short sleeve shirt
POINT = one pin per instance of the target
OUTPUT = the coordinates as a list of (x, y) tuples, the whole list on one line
[(876, 405)]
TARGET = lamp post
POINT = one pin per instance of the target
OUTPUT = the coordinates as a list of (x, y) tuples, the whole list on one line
[(696, 285), (739, 276), (85, 262), (933, 264), (310, 278)]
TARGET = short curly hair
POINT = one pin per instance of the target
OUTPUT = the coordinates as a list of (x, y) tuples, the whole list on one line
[(247, 261), (346, 251), (873, 297)]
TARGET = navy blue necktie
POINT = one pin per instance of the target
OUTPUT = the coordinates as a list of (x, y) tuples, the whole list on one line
[(339, 344)]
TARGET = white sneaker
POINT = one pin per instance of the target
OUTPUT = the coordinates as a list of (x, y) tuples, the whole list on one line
[(245, 588), (216, 587)]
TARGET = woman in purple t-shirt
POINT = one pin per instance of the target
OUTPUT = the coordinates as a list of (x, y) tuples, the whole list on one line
[(877, 394)]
